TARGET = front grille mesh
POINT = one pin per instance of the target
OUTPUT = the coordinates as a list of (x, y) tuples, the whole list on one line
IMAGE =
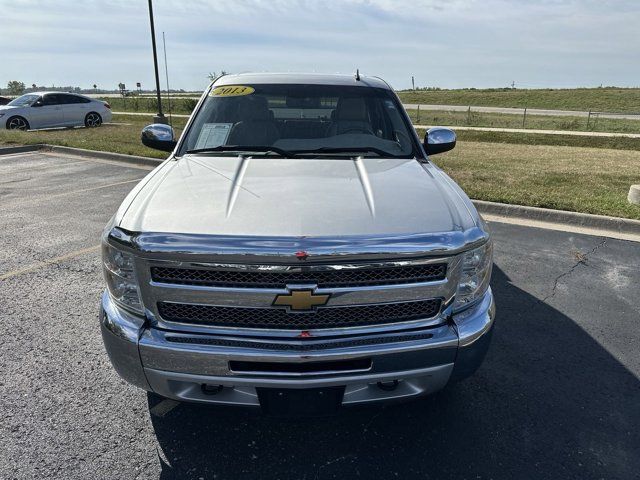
[(276, 318), (322, 278)]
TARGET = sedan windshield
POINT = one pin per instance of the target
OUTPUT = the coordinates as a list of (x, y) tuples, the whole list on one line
[(329, 120), (24, 101)]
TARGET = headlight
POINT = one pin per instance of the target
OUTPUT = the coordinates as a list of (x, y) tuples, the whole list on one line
[(475, 276), (120, 275)]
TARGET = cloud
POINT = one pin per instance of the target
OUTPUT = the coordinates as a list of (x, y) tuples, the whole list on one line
[(449, 44)]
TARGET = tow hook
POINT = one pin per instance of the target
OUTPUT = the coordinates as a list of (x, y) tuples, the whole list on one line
[(388, 386), (211, 389)]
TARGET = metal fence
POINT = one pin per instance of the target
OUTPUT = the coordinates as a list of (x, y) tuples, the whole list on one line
[(479, 116)]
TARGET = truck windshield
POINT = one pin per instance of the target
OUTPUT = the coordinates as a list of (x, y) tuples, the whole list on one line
[(327, 120)]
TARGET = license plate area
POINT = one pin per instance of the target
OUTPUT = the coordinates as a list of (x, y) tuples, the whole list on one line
[(300, 402)]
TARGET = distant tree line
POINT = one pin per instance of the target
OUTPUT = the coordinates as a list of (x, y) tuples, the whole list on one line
[(16, 88)]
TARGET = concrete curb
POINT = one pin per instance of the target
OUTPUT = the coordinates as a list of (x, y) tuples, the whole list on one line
[(117, 157), (622, 225), (81, 152), (20, 149)]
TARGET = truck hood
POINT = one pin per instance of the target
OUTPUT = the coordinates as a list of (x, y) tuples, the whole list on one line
[(294, 197)]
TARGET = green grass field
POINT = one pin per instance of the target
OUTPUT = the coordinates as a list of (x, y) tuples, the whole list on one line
[(579, 179), (581, 99), (123, 136), (182, 106), (537, 122), (584, 174)]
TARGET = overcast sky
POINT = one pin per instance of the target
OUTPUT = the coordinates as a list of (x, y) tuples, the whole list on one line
[(445, 43)]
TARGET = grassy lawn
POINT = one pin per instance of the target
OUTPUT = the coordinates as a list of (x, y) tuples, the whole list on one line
[(581, 179), (582, 99), (538, 122), (582, 174), (149, 104), (121, 137)]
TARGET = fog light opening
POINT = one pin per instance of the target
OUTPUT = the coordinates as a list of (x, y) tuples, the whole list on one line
[(208, 389), (388, 386)]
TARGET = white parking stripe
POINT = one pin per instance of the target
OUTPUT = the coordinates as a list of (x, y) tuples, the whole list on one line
[(562, 227), (44, 263), (101, 160), (164, 407)]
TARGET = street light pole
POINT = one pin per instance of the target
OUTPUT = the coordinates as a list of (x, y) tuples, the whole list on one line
[(160, 118)]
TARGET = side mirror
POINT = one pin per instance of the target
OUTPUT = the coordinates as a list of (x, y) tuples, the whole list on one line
[(438, 140), (37, 103), (159, 136)]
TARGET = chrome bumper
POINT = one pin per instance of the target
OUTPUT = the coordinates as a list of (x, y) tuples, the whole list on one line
[(152, 359)]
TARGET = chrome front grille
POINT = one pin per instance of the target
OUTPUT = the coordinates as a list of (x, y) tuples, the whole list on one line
[(196, 296), (278, 318), (280, 278)]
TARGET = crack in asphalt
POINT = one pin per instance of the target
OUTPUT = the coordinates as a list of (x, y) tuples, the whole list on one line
[(582, 260), (331, 462)]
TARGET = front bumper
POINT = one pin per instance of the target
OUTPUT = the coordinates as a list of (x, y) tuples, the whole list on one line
[(177, 365)]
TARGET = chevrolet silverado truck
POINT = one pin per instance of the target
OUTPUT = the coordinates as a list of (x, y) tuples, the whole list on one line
[(298, 251)]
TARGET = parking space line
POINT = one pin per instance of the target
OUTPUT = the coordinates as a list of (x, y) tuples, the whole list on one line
[(562, 227), (164, 407), (81, 190), (45, 263), (43, 167), (138, 166), (5, 156)]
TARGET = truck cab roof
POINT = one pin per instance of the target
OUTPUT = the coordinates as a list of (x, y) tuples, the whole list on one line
[(302, 78)]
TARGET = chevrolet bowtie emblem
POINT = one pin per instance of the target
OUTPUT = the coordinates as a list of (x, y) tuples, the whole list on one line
[(300, 300)]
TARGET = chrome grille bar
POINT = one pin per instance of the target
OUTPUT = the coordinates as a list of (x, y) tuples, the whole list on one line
[(327, 278), (323, 317)]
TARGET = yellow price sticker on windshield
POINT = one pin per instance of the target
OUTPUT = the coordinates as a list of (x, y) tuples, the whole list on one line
[(231, 91)]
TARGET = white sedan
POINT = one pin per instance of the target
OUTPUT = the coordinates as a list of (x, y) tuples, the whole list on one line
[(53, 109)]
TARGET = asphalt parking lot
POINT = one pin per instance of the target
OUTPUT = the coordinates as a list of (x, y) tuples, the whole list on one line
[(557, 397)]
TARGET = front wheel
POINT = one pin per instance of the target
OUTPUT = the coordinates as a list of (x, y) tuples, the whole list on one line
[(92, 120), (17, 123)]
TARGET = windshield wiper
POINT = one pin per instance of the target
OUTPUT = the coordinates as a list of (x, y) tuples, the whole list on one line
[(380, 152), (240, 148)]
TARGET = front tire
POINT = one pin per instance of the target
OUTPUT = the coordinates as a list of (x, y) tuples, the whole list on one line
[(18, 123), (92, 120)]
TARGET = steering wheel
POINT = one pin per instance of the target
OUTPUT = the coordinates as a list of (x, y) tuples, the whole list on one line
[(364, 131)]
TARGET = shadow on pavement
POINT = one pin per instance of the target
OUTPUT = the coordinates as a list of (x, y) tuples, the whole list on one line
[(549, 402)]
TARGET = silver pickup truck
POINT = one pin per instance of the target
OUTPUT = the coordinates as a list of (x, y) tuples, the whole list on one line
[(297, 251)]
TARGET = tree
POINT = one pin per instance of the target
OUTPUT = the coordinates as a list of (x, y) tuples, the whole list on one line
[(15, 87), (213, 75)]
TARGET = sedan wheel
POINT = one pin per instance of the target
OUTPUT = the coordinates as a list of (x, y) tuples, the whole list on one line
[(17, 123), (92, 119)]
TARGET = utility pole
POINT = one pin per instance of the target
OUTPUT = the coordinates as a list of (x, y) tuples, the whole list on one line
[(160, 118), (166, 71), (413, 82)]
